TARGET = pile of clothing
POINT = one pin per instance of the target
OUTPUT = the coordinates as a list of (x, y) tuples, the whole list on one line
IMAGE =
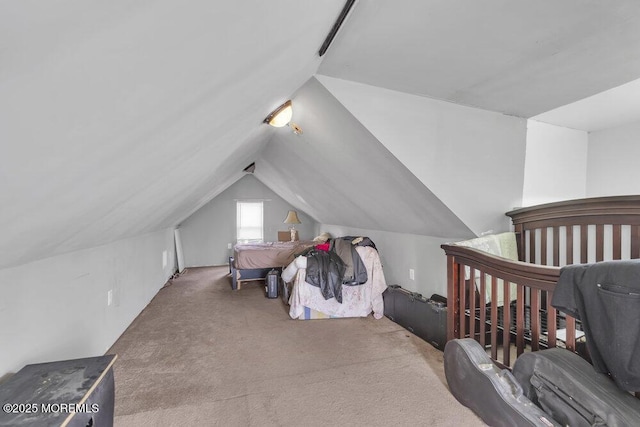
[(336, 263)]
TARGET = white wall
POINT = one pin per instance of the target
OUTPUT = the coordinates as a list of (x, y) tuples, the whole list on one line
[(56, 308), (471, 159), (555, 164), (613, 161), (206, 234), (338, 172), (400, 252)]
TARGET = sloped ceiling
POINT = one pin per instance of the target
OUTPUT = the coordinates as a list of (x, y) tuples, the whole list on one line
[(123, 117), (339, 173), (471, 159), (611, 108), (520, 58)]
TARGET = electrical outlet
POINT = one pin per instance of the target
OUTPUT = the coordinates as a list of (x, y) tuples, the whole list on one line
[(110, 297), (228, 245), (412, 274), (164, 259)]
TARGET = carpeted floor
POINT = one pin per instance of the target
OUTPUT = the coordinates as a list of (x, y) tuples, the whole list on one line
[(202, 354)]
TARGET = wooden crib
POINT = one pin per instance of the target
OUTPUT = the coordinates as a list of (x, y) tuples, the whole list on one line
[(548, 237)]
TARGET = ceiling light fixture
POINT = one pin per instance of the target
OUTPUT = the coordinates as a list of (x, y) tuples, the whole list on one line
[(281, 116)]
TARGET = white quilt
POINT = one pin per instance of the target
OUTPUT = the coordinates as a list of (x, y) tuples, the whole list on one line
[(357, 301)]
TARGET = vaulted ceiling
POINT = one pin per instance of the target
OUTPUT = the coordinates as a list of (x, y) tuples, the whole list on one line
[(520, 58), (122, 117)]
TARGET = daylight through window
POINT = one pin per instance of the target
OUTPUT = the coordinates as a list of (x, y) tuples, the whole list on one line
[(249, 222)]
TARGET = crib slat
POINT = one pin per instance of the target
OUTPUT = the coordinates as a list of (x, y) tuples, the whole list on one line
[(520, 320), (494, 318), (543, 246), (521, 239), (463, 304), (556, 246), (599, 242), (569, 231), (583, 243), (532, 246), (551, 321), (617, 241), (571, 334), (506, 330), (483, 309), (535, 320), (453, 291), (635, 241), (472, 303)]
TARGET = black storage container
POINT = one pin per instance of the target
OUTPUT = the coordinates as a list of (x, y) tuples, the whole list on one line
[(272, 283), (494, 394), (425, 317), (569, 389)]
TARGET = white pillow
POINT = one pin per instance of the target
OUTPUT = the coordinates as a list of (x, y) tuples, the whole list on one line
[(323, 237)]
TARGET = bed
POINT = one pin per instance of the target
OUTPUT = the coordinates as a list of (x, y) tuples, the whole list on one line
[(307, 302), (504, 301), (252, 261)]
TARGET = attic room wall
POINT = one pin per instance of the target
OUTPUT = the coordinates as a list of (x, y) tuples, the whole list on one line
[(612, 166), (206, 234), (56, 308), (555, 164), (400, 252), (471, 159)]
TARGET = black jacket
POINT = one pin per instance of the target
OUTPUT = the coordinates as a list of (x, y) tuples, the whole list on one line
[(355, 271), (325, 270), (605, 296)]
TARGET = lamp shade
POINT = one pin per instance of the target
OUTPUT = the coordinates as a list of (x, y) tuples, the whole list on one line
[(292, 218), (281, 116)]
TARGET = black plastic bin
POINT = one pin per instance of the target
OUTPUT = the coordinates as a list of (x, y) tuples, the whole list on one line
[(425, 317)]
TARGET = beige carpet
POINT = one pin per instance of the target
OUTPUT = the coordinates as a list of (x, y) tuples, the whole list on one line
[(202, 354)]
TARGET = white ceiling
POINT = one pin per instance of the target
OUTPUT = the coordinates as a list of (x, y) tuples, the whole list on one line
[(520, 58), (339, 173), (611, 108), (122, 117)]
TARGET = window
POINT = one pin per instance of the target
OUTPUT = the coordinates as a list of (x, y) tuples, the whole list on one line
[(249, 222)]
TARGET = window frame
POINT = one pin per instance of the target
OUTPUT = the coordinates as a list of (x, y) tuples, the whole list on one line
[(252, 237)]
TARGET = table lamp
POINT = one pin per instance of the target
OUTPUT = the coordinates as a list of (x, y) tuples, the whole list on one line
[(292, 218)]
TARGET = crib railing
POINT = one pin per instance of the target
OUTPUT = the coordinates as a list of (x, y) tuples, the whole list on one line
[(529, 319), (548, 236), (578, 231)]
